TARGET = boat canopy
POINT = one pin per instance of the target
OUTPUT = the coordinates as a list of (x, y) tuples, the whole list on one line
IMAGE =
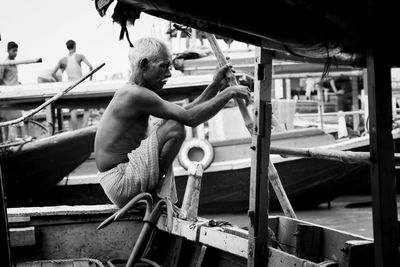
[(306, 29)]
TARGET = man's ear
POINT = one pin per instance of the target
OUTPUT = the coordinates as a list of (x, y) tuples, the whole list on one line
[(143, 63)]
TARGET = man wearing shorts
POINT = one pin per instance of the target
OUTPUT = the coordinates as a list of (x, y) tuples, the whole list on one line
[(130, 158)]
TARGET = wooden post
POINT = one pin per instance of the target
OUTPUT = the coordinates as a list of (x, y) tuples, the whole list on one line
[(50, 118), (190, 203), (5, 259), (321, 107), (356, 117), (384, 206), (275, 180), (258, 203)]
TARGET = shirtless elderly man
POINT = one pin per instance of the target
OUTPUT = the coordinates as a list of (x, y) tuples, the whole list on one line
[(132, 159)]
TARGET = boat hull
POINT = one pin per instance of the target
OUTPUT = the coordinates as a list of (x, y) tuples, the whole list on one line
[(34, 168), (307, 182)]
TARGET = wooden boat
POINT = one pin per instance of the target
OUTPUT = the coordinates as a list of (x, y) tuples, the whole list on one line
[(45, 235), (308, 182), (326, 31), (32, 168)]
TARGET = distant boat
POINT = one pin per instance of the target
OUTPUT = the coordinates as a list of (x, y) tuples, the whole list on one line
[(308, 182), (31, 169), (225, 183)]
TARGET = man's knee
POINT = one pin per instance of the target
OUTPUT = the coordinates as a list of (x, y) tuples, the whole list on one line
[(177, 129), (171, 129)]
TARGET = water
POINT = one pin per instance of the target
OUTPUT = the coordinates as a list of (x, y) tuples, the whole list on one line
[(351, 214)]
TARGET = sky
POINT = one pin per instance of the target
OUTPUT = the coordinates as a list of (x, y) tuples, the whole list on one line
[(42, 27)]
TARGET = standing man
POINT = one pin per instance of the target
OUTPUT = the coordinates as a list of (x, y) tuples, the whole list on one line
[(131, 159), (9, 73), (72, 65), (9, 76)]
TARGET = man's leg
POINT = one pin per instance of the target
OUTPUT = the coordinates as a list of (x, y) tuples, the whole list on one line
[(170, 135)]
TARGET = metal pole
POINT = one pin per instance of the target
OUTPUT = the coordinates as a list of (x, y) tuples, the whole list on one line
[(5, 259)]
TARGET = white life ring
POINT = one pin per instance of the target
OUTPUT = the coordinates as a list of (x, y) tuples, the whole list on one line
[(190, 146)]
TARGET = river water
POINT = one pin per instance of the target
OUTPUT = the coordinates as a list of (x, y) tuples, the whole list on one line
[(351, 214)]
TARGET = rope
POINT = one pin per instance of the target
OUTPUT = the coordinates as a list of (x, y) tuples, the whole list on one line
[(51, 100)]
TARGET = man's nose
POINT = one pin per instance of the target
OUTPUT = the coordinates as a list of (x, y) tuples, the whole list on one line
[(168, 73)]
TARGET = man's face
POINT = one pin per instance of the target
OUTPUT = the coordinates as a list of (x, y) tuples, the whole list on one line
[(158, 71), (12, 53)]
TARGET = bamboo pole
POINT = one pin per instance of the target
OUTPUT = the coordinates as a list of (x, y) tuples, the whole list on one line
[(20, 62), (274, 176), (51, 100), (232, 81), (320, 153)]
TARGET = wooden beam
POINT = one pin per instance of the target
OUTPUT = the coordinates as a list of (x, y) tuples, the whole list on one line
[(22, 236), (190, 203), (309, 242), (384, 205), (5, 259), (258, 206)]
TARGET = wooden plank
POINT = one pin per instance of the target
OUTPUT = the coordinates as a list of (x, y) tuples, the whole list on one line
[(359, 253), (217, 238), (308, 242), (5, 259), (332, 244), (190, 203), (258, 197), (61, 210), (30, 264), (198, 256), (280, 258), (22, 237), (383, 191), (82, 263)]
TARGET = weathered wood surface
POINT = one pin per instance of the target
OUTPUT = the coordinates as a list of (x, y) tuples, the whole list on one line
[(22, 236), (190, 203), (383, 182), (235, 240), (70, 232), (320, 153)]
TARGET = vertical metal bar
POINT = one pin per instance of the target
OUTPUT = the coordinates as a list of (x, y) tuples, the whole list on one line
[(384, 205), (5, 259), (60, 119), (258, 202)]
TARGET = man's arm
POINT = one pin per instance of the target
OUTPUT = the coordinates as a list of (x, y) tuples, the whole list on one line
[(149, 102), (55, 69), (219, 82), (88, 64), (84, 59)]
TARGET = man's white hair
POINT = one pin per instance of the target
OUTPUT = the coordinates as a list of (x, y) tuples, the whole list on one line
[(147, 47)]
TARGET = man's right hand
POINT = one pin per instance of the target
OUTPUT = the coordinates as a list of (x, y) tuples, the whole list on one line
[(238, 91)]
